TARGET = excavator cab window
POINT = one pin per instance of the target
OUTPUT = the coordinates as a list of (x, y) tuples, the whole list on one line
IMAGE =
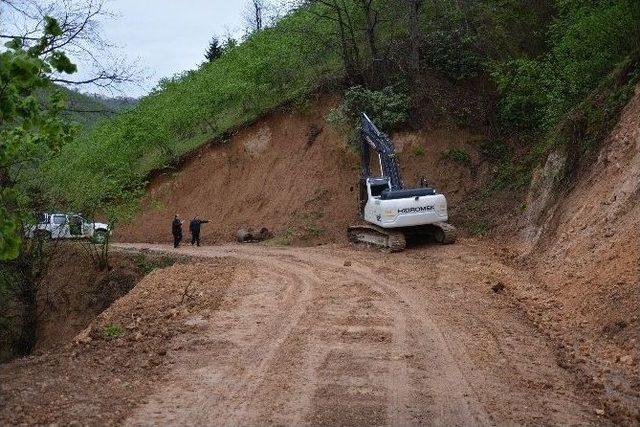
[(378, 186)]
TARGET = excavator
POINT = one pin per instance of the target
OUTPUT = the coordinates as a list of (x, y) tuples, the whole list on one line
[(394, 214)]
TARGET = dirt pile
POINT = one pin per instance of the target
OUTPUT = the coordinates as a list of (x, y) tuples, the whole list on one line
[(586, 254), (292, 173), (110, 367), (73, 292)]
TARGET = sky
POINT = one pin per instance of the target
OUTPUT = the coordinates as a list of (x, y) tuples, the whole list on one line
[(167, 36)]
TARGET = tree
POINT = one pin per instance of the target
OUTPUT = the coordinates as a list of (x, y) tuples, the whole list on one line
[(415, 36), (214, 51), (79, 38), (29, 130), (254, 15)]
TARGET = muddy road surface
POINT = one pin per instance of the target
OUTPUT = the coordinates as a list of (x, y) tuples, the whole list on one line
[(331, 335)]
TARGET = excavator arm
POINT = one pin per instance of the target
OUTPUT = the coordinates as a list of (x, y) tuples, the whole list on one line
[(372, 138)]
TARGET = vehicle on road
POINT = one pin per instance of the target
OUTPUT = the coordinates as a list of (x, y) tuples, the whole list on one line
[(392, 212), (68, 226)]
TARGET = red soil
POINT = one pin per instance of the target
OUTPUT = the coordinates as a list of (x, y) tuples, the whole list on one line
[(273, 175)]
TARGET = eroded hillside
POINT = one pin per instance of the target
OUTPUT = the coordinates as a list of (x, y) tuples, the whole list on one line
[(583, 244), (294, 174)]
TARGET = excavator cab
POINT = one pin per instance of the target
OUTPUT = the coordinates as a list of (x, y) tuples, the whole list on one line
[(373, 187)]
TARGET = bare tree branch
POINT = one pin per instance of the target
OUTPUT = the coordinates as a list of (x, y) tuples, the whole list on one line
[(81, 39)]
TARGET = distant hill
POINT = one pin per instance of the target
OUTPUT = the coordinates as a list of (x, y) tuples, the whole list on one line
[(88, 109)]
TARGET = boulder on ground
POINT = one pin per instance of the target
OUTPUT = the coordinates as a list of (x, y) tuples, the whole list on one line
[(249, 235)]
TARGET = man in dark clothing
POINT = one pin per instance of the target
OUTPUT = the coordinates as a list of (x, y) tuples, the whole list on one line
[(194, 228), (176, 230)]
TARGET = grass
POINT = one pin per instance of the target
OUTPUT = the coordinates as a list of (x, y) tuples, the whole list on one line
[(112, 331), (419, 151), (148, 264), (284, 238), (478, 228), (459, 156)]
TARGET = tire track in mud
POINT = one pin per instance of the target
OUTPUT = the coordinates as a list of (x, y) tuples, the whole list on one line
[(338, 345), (189, 403), (441, 382)]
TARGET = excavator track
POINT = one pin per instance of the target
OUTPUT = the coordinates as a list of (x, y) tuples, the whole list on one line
[(444, 233), (396, 240), (392, 240)]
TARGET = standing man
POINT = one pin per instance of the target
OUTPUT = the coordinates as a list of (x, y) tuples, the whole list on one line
[(176, 230), (194, 228)]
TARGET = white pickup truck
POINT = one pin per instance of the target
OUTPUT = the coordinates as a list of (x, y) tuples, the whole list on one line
[(68, 226)]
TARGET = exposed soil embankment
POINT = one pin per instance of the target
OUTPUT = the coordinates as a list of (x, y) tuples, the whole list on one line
[(292, 173), (73, 292), (587, 258)]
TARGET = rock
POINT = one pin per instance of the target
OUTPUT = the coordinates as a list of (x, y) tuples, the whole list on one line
[(171, 313), (246, 235), (347, 263), (600, 412), (498, 287), (84, 337), (627, 359)]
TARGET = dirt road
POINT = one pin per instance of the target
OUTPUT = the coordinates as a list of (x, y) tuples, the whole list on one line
[(330, 335)]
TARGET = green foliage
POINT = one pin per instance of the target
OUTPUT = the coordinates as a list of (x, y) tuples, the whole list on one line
[(112, 331), (452, 52), (30, 130), (418, 151), (495, 150), (478, 228), (524, 100), (458, 156), (148, 264), (87, 110), (284, 238), (582, 129), (387, 108), (588, 39)]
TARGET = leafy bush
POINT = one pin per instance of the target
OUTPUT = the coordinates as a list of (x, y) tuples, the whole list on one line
[(588, 39), (524, 100), (494, 150), (452, 52), (387, 108), (459, 156)]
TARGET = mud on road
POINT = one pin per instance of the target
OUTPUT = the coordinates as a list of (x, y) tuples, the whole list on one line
[(323, 336)]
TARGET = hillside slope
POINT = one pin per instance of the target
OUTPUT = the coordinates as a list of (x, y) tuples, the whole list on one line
[(276, 174), (587, 254)]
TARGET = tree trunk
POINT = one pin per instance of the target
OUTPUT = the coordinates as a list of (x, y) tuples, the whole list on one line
[(415, 37)]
